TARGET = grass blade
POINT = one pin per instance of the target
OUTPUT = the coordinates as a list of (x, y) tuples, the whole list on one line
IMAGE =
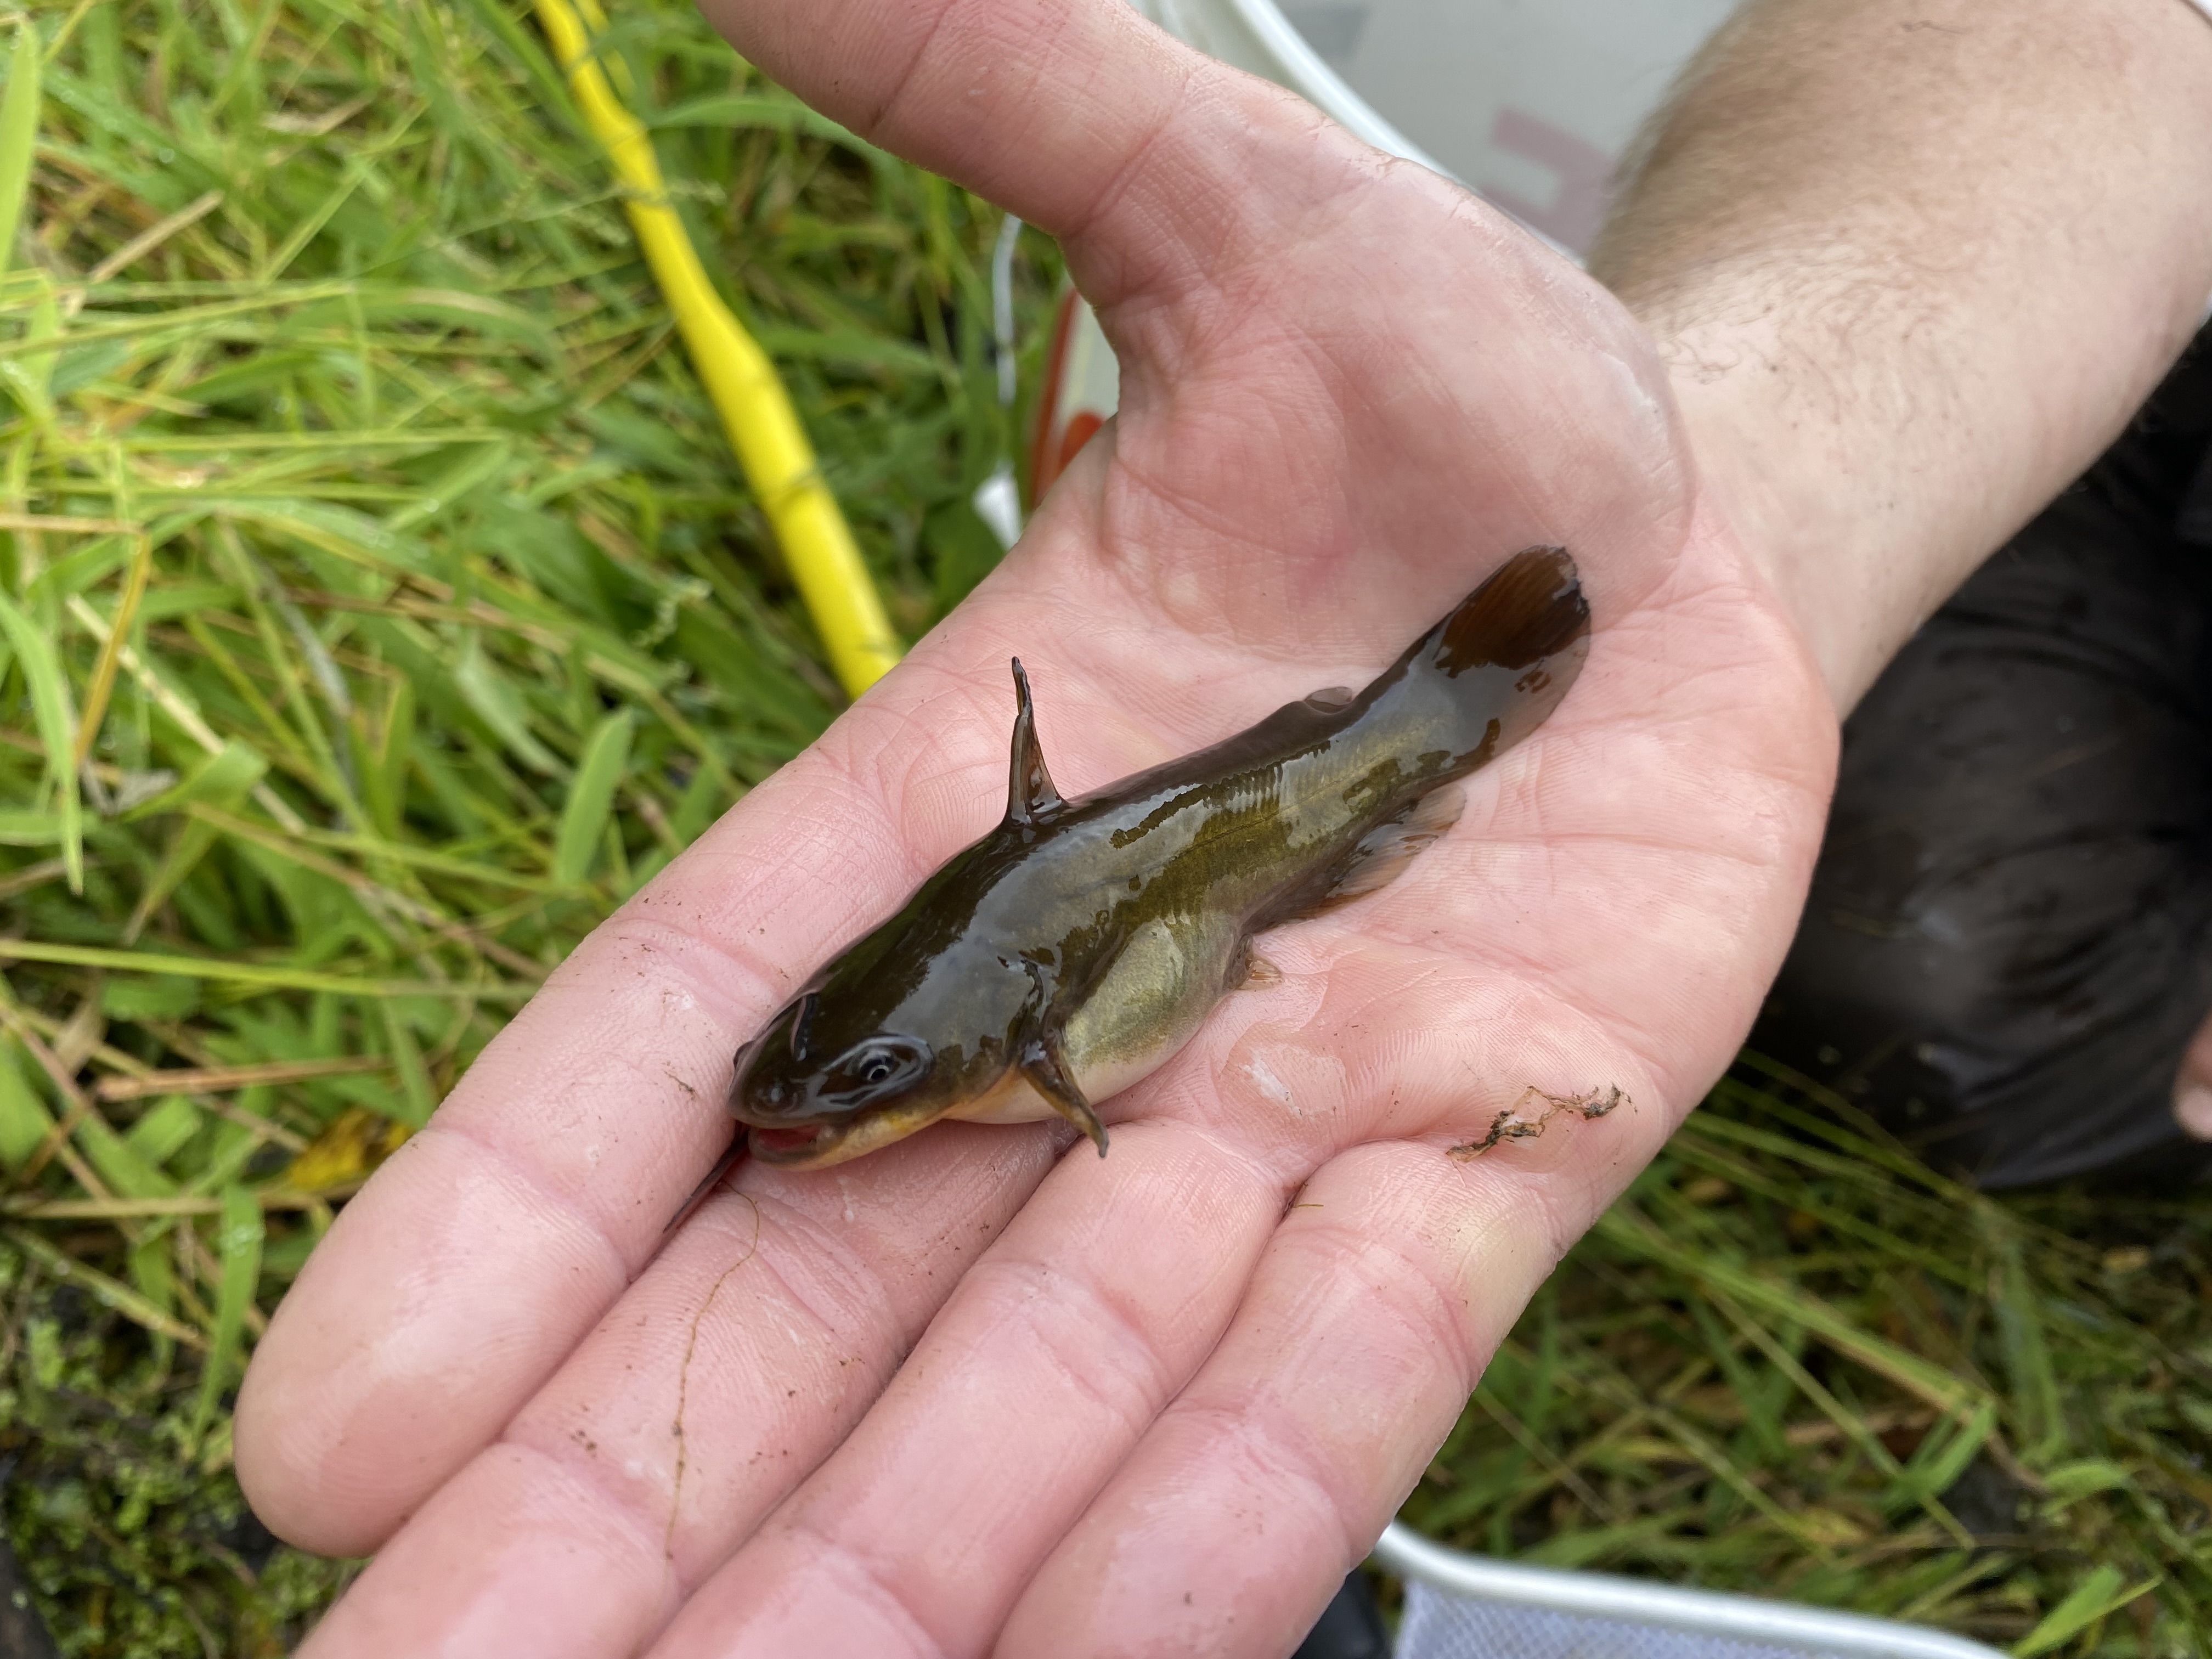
[(103, 670), (2027, 1354), (591, 802), (417, 1098), (275, 976), (1930, 1383), (19, 133), (50, 703), (2100, 1594), (108, 1291), (24, 1119), (239, 1235)]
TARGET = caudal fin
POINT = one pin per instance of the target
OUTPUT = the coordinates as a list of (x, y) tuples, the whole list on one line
[(1532, 608)]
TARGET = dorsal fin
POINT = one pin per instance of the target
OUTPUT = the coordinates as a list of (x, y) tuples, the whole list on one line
[(1029, 793)]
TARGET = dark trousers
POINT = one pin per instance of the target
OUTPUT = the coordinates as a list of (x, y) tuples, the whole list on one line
[(2008, 943)]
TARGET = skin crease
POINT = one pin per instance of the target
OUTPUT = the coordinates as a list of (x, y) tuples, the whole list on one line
[(965, 1396)]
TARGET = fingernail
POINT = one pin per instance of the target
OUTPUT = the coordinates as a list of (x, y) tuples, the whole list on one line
[(2193, 1108)]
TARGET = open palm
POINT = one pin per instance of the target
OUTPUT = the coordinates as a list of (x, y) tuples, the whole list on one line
[(969, 1394)]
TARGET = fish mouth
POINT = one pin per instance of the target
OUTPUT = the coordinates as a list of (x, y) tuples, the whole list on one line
[(817, 1146), (781, 1145)]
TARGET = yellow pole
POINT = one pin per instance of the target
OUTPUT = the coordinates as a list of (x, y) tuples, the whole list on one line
[(763, 428)]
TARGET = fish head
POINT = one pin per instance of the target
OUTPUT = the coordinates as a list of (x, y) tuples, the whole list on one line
[(861, 1059)]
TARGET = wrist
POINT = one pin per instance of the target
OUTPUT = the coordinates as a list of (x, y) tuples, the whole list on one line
[(1864, 492), (1898, 316)]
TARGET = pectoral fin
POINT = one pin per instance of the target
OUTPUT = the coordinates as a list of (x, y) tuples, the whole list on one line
[(1042, 1065)]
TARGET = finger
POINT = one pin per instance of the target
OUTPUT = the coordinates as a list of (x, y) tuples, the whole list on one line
[(1058, 1350), (733, 1365), (1367, 1324), (1048, 109), (476, 1257), (2192, 1087)]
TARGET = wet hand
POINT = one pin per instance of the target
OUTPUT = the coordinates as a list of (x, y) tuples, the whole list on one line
[(973, 1393)]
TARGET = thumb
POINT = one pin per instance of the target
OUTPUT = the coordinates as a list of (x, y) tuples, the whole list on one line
[(1155, 164)]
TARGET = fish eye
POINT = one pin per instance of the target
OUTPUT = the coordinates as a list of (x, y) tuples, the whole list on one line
[(882, 1062)]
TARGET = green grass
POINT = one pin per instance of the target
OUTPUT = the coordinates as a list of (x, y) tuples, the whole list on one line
[(333, 393), (1793, 1361), (336, 397)]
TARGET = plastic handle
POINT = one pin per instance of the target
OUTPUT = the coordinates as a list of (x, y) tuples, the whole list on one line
[(763, 428)]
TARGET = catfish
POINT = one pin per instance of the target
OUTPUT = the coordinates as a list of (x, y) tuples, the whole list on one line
[(1076, 947)]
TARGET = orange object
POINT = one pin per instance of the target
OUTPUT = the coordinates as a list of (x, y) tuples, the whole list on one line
[(1082, 388)]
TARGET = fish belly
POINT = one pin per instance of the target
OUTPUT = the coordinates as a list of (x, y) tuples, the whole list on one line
[(1010, 1100), (1163, 984)]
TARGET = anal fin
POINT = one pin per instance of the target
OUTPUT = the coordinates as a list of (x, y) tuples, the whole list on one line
[(1383, 854)]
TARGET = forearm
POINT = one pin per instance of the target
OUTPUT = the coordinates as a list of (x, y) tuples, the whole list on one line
[(1913, 263)]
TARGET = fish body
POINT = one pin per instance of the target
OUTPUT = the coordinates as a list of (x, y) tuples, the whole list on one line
[(1079, 944)]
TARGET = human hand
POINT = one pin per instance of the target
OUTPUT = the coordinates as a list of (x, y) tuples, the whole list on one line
[(966, 1394)]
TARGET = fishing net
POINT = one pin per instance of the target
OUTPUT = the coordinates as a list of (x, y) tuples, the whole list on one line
[(1438, 1624)]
